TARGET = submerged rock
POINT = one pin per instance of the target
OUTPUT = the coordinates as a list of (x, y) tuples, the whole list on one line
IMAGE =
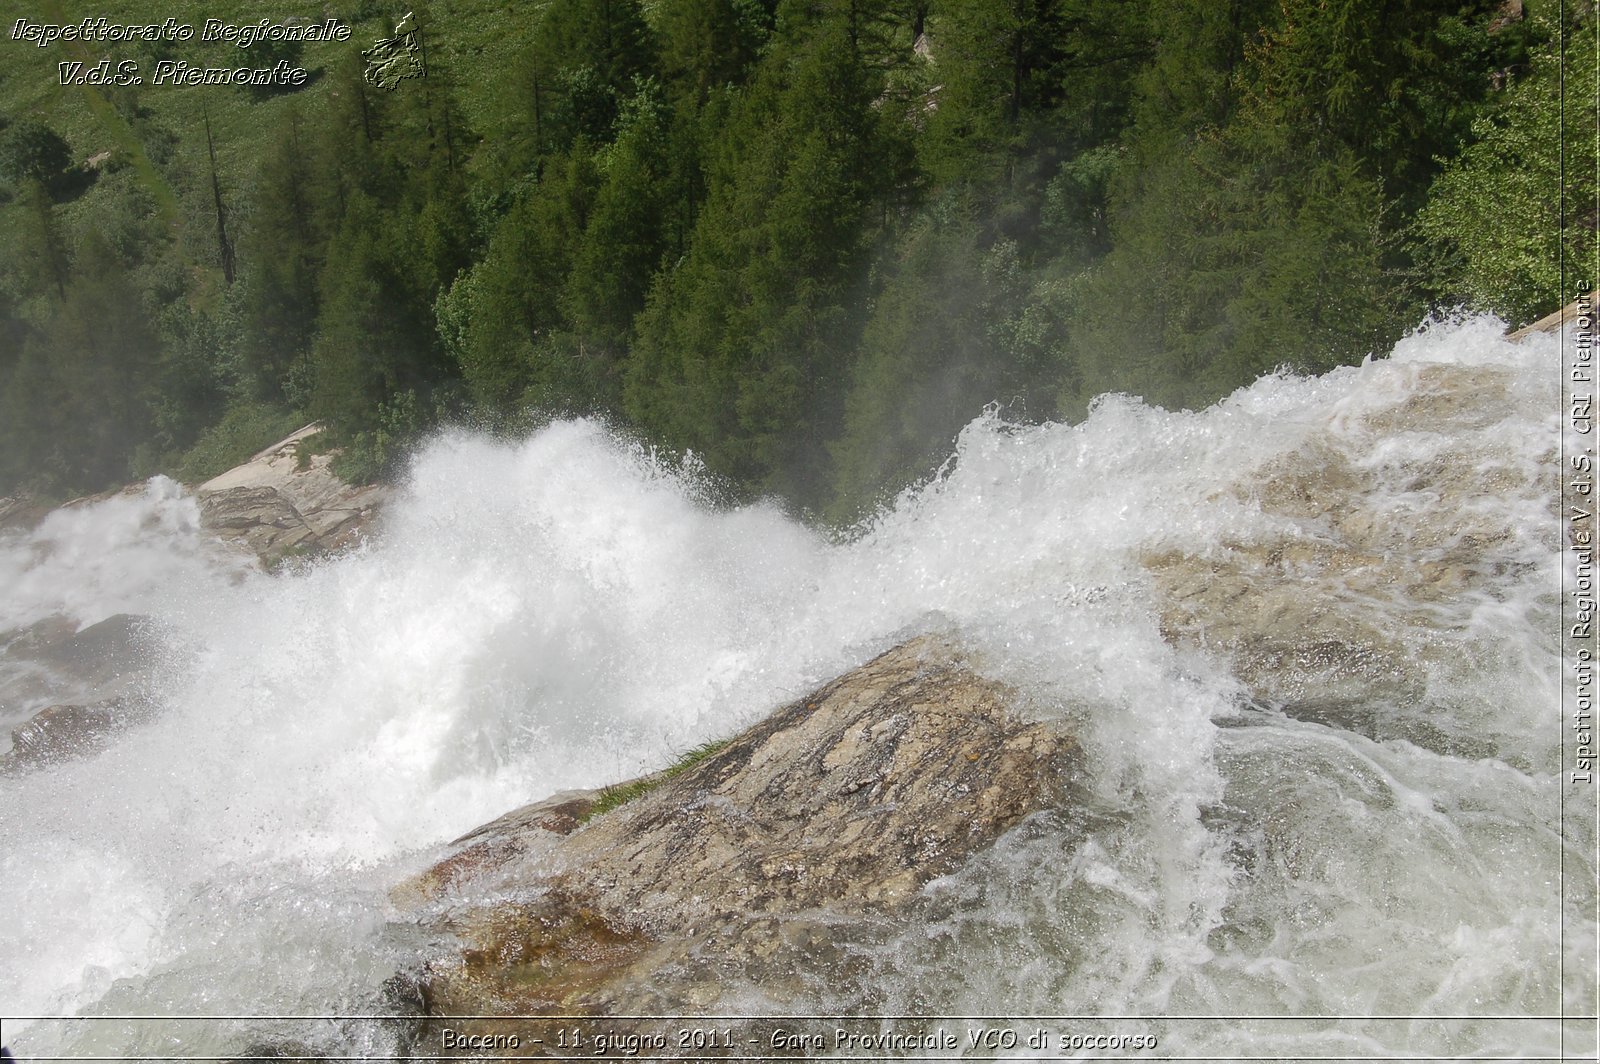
[(285, 1052), (752, 867), (1381, 532)]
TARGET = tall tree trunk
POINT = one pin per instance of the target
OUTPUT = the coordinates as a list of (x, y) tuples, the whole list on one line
[(224, 246)]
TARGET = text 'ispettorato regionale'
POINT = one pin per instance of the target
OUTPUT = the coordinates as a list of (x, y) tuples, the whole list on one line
[(101, 30)]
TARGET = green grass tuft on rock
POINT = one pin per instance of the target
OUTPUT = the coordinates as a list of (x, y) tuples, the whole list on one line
[(622, 793)]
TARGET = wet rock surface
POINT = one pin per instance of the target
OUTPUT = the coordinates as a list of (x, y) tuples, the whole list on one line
[(100, 653), (1376, 531), (286, 1052), (759, 865), (61, 733), (499, 849)]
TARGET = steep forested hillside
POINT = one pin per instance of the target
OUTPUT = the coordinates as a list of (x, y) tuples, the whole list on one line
[(805, 239)]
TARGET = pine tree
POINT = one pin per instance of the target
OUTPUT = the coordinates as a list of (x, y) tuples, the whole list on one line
[(85, 376), (581, 64), (623, 240), (708, 44), (32, 151), (742, 349), (281, 254), (497, 317)]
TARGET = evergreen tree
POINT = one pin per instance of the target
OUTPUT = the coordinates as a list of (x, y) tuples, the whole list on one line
[(82, 382), (18, 398), (743, 346), (32, 151), (369, 345), (497, 320), (581, 63), (1516, 209), (995, 61), (34, 262), (925, 364), (1261, 212), (281, 253), (623, 239), (708, 44)]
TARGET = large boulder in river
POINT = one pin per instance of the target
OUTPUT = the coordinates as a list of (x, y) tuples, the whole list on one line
[(753, 865), (66, 732)]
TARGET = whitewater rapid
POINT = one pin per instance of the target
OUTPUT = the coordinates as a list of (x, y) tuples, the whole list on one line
[(569, 610)]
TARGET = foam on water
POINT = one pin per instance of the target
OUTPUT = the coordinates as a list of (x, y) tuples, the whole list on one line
[(568, 611)]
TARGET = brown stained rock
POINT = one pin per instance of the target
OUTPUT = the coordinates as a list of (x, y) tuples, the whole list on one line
[(559, 956), (842, 804), (497, 850)]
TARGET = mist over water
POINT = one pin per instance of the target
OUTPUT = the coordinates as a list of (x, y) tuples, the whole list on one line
[(569, 611)]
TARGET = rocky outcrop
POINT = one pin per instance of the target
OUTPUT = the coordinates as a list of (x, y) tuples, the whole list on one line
[(286, 502), (753, 866), (21, 511), (260, 518), (283, 502), (1509, 13)]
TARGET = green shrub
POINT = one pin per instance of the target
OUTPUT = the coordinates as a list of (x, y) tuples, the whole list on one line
[(1514, 210), (245, 429)]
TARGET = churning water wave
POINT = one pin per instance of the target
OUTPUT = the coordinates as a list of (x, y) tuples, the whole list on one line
[(569, 610)]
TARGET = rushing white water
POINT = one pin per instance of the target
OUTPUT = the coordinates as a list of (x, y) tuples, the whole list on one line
[(566, 611)]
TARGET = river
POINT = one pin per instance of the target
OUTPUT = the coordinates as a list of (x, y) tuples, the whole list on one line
[(1375, 872)]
